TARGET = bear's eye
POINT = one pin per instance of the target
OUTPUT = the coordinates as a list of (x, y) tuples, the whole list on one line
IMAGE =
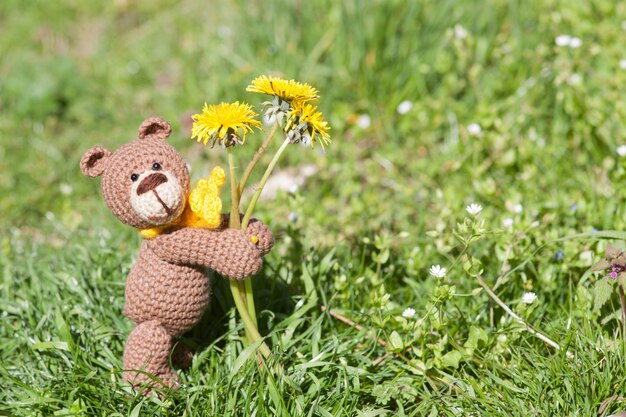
[(156, 166), (134, 177)]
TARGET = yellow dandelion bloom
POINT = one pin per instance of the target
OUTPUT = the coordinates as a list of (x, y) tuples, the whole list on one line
[(306, 116), (287, 90), (226, 123)]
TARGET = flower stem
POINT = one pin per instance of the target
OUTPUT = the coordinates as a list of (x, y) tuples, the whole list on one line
[(259, 189), (250, 300), (517, 318), (255, 158), (238, 288), (622, 301), (233, 221)]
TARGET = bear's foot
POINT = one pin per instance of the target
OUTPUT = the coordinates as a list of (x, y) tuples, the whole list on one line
[(146, 357)]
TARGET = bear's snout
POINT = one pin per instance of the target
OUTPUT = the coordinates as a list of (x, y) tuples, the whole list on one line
[(151, 182)]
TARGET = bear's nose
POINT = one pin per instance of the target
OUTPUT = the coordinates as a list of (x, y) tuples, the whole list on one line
[(151, 182)]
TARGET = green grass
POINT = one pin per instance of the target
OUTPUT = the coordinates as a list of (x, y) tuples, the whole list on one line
[(382, 208)]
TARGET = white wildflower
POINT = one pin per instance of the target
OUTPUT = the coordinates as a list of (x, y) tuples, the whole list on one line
[(364, 121), (529, 297), (574, 79), (567, 40), (621, 150), (438, 271), (518, 208), (508, 222), (474, 209), (575, 43), (408, 313), (404, 107), (622, 64), (460, 32), (474, 129), (563, 40), (66, 189)]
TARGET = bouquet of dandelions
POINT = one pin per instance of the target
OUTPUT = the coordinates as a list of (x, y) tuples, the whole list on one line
[(227, 124)]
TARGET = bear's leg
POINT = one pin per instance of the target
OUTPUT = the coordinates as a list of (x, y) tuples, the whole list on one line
[(147, 353)]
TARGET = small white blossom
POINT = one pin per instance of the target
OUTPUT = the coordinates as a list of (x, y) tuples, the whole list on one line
[(574, 79), (66, 189), (567, 40), (575, 43), (622, 64), (460, 32), (529, 297), (404, 107), (438, 271), (518, 208), (563, 40), (474, 129), (474, 209), (621, 150), (408, 313), (364, 121), (508, 222)]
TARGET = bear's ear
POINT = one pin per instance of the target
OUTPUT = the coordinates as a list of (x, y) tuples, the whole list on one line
[(155, 128), (93, 161)]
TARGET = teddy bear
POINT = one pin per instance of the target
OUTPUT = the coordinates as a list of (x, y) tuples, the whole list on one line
[(146, 184)]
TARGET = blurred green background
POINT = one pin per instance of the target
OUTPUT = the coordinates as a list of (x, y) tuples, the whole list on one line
[(515, 105)]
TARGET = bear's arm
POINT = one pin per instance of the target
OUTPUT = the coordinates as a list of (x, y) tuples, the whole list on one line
[(228, 252)]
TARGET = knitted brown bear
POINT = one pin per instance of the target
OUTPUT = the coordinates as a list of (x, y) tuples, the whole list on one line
[(145, 184)]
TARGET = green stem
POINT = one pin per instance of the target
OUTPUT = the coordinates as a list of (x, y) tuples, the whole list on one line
[(238, 288), (250, 300), (517, 318), (259, 189), (233, 221), (255, 159)]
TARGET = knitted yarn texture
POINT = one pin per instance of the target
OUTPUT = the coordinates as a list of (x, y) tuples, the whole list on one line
[(203, 208), (145, 184)]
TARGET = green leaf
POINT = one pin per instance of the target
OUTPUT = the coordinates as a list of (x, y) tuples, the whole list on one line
[(395, 342), (602, 291), (244, 356), (451, 359), (477, 337)]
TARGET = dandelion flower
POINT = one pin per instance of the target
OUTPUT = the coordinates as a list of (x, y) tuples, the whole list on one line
[(226, 123), (529, 297), (306, 124), (287, 90), (474, 209), (408, 313), (438, 271)]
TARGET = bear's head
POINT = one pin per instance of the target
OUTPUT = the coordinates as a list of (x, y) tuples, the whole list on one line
[(145, 183)]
